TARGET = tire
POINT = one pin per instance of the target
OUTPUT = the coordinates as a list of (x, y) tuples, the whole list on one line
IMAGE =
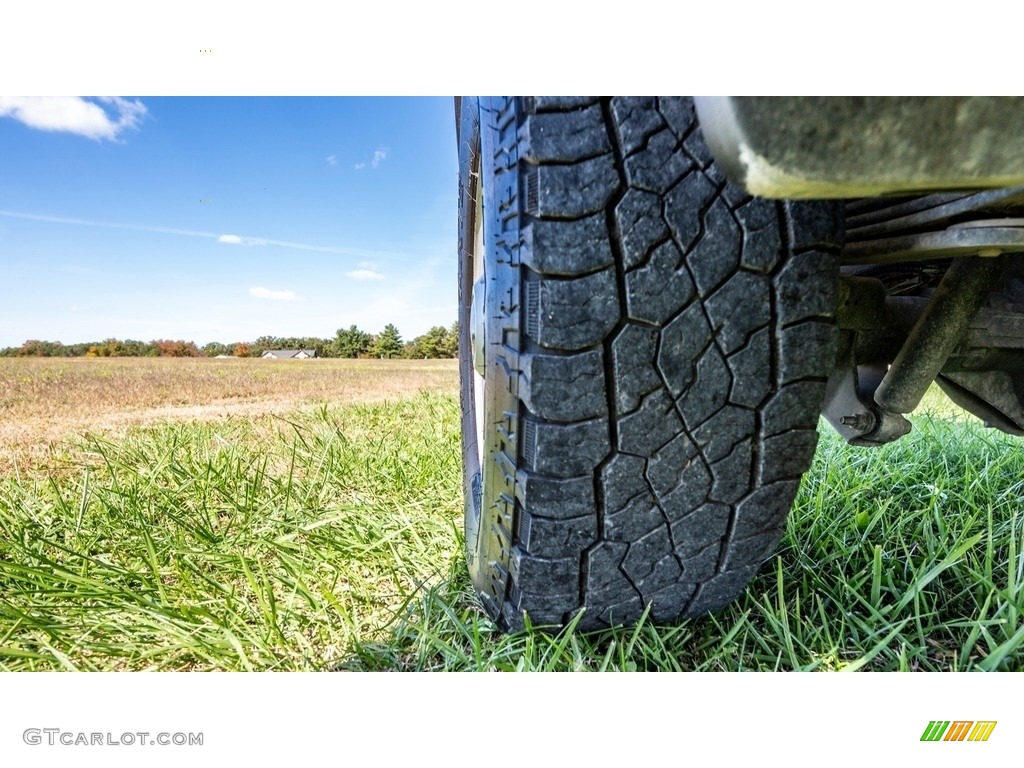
[(644, 367)]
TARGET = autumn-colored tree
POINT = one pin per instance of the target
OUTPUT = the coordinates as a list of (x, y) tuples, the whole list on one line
[(36, 348), (241, 349), (178, 348)]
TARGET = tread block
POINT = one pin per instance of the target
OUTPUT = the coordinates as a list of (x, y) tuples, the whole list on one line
[(751, 369), (564, 136), (678, 113), (807, 350), (689, 494), (573, 314), (546, 538), (565, 450), (665, 468), (545, 577), (555, 499), (717, 254), (658, 166), (547, 610), (570, 191), (653, 424), (762, 247), (635, 118), (764, 509), (709, 391), (795, 302), (700, 530), (623, 612), (788, 455), (735, 195), (681, 343), (641, 226), (566, 248), (622, 479), (733, 476), (701, 565), (795, 406), (717, 436), (719, 591), (696, 148), (758, 214), (754, 550), (668, 604), (656, 291), (633, 352), (739, 308), (564, 388), (535, 104), (639, 516), (815, 224), (605, 583), (650, 562), (685, 205)]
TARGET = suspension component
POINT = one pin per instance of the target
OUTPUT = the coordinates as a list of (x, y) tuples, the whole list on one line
[(937, 332)]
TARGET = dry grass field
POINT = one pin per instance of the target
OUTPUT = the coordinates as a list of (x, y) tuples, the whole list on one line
[(46, 401)]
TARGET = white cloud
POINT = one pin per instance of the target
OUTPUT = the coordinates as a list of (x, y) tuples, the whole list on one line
[(332, 159), (103, 118), (364, 274), (265, 293), (379, 155), (230, 239)]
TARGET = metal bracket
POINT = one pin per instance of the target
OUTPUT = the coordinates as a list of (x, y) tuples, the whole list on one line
[(851, 411)]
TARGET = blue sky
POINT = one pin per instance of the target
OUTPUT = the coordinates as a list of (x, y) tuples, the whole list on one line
[(224, 219)]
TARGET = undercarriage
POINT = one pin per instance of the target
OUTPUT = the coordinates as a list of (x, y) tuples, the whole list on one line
[(931, 289)]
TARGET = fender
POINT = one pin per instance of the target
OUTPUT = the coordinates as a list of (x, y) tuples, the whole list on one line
[(844, 147)]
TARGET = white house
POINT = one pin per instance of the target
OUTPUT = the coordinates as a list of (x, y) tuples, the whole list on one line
[(289, 354)]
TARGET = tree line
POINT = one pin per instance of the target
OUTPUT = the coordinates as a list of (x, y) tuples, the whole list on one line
[(352, 342)]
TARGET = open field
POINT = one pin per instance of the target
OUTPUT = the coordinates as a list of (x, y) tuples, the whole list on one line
[(326, 535), (43, 401)]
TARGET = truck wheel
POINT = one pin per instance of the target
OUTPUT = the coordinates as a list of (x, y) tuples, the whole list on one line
[(643, 355)]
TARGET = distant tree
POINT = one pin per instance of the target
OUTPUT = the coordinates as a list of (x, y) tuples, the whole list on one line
[(215, 348), (242, 349), (262, 344), (36, 348), (350, 342), (450, 348), (107, 348), (178, 348), (432, 343), (388, 344)]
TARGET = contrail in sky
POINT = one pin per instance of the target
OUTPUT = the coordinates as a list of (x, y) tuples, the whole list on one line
[(107, 225), (225, 238)]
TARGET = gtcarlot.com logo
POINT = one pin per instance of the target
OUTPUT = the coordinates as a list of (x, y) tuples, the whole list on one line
[(958, 730), (59, 737)]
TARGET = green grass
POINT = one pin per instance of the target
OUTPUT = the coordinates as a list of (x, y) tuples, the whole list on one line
[(331, 540)]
